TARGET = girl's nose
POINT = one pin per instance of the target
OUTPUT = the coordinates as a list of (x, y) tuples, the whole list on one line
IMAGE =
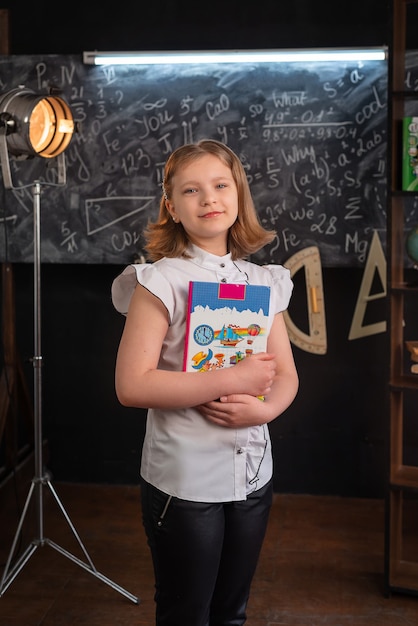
[(208, 197)]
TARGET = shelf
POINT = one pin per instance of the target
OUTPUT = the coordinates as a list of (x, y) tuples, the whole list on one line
[(404, 95), (399, 383), (404, 578), (398, 193), (405, 477), (401, 541), (404, 288)]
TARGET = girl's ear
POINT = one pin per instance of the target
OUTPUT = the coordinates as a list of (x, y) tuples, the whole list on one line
[(170, 208)]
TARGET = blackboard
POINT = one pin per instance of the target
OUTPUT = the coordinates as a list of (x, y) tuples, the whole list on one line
[(312, 138)]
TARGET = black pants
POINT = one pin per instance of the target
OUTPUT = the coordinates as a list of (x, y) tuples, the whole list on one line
[(204, 555)]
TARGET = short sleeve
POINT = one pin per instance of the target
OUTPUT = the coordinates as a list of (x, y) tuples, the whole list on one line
[(147, 275), (282, 286)]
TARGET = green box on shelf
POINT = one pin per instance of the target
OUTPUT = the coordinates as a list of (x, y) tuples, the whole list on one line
[(410, 154)]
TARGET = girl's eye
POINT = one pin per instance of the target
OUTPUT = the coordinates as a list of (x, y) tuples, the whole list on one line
[(221, 185), (191, 190)]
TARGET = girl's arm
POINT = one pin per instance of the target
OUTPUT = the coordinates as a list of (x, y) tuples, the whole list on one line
[(140, 384), (237, 410)]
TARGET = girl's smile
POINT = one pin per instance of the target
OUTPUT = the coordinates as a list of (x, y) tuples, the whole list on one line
[(211, 214)]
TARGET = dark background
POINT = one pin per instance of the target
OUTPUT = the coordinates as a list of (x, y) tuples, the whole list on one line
[(48, 28), (333, 438)]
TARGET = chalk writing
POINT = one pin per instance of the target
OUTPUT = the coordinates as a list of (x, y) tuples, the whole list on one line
[(311, 138)]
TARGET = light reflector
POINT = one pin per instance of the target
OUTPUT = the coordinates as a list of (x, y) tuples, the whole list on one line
[(35, 124)]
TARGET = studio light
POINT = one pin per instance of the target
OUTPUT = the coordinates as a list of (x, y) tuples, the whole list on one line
[(234, 56), (33, 125), (36, 124)]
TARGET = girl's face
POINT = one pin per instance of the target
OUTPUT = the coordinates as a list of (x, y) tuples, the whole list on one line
[(205, 200)]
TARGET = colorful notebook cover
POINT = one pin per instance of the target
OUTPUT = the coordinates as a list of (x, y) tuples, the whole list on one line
[(225, 323)]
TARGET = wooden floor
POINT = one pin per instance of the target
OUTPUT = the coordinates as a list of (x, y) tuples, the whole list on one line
[(322, 563)]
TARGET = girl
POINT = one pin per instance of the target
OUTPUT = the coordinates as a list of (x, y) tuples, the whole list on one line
[(206, 468)]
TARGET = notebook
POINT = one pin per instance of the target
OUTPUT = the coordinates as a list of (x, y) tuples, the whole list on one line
[(225, 323)]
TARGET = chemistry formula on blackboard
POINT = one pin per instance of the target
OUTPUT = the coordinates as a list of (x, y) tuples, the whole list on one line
[(312, 138)]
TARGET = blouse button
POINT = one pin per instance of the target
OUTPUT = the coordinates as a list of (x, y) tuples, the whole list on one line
[(223, 280), (240, 451), (222, 264)]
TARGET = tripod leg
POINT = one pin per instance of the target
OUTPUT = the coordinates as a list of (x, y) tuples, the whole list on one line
[(89, 567), (40, 480), (8, 578), (93, 570), (70, 524)]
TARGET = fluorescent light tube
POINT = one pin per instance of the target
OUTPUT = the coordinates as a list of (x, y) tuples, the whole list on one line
[(234, 56)]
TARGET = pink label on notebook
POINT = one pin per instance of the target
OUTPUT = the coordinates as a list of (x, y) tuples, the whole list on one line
[(232, 291)]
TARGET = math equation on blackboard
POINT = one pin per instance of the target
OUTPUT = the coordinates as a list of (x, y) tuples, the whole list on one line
[(312, 138)]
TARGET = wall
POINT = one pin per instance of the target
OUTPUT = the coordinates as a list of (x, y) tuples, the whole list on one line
[(332, 440), (177, 25)]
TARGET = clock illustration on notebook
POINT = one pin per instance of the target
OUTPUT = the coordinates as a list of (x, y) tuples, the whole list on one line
[(203, 334)]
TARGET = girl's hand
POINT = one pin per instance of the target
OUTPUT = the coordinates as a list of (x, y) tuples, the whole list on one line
[(255, 374), (235, 411)]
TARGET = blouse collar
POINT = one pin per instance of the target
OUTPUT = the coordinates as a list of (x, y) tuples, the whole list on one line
[(210, 261)]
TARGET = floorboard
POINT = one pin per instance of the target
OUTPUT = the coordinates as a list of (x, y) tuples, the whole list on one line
[(321, 564)]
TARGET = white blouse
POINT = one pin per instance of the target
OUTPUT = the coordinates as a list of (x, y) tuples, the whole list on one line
[(183, 454)]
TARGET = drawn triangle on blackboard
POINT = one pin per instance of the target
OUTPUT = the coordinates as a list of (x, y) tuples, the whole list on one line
[(102, 213)]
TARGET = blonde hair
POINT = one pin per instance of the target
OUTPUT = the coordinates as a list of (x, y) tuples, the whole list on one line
[(166, 238)]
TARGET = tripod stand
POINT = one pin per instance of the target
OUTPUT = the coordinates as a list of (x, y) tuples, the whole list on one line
[(41, 479)]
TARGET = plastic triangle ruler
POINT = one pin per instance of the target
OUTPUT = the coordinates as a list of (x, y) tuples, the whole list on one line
[(316, 340)]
